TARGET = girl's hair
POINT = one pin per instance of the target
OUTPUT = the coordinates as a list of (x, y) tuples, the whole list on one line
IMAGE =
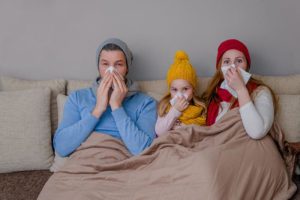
[(165, 101), (210, 93)]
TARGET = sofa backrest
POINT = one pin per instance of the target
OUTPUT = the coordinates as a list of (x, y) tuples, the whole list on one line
[(289, 84)]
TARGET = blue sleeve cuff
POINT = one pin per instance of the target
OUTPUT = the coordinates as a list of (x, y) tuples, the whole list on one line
[(91, 119)]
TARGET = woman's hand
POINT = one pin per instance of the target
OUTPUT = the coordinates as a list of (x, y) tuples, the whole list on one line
[(119, 91), (103, 95), (235, 80), (181, 104)]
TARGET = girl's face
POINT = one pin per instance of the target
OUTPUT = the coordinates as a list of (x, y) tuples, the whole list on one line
[(114, 58), (234, 57), (182, 86)]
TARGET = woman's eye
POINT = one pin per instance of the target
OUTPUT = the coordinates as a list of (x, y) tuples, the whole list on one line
[(226, 62), (240, 60), (173, 89)]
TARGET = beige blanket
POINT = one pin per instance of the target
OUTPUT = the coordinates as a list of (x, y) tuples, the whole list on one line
[(211, 163)]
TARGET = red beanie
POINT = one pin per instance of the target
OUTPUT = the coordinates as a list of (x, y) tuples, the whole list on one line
[(233, 44)]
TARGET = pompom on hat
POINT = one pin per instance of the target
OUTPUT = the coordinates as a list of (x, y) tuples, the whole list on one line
[(233, 44), (182, 69)]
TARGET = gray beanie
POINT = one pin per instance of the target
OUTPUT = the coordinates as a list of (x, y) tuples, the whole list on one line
[(120, 44)]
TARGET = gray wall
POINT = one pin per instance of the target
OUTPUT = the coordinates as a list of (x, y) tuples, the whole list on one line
[(44, 39)]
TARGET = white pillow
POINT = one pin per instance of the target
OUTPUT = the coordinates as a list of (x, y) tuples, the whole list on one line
[(25, 130), (58, 160), (289, 116)]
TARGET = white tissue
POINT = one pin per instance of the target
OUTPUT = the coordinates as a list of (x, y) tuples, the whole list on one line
[(245, 75), (178, 94), (110, 69)]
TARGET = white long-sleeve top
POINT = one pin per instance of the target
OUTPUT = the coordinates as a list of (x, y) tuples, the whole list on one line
[(257, 115), (167, 122)]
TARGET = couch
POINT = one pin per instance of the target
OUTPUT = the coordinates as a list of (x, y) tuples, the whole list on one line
[(31, 110)]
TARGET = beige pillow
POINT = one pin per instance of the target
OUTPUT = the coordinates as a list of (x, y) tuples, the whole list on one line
[(56, 86), (58, 160), (289, 116), (25, 142)]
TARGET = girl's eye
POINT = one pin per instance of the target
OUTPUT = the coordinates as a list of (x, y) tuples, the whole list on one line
[(185, 89), (173, 89)]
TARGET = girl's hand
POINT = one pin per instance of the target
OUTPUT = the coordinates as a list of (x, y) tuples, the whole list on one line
[(181, 104), (103, 95), (234, 79), (119, 91)]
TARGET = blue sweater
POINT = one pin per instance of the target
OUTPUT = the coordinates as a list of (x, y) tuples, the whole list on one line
[(133, 123)]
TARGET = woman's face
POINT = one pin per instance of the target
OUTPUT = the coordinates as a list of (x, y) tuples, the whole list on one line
[(115, 58), (182, 86), (234, 57)]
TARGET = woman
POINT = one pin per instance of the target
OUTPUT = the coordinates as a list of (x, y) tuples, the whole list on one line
[(112, 106), (231, 87)]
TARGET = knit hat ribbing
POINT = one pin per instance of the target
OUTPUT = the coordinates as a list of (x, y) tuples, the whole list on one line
[(233, 44), (182, 69)]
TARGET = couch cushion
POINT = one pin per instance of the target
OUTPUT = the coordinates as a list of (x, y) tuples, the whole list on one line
[(289, 84), (289, 116), (59, 161), (56, 86), (25, 130), (77, 84)]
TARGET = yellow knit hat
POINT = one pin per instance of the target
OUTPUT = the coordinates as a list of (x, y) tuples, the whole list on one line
[(182, 69)]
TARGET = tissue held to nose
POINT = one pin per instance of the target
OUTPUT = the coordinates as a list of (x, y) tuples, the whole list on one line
[(245, 75), (110, 69), (175, 98)]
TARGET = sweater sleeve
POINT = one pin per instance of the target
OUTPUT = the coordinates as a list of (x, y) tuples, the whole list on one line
[(73, 130), (139, 134), (165, 123), (258, 116)]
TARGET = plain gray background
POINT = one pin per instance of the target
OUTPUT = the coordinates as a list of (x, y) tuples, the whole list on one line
[(46, 39)]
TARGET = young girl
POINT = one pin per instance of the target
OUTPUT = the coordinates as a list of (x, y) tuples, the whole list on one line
[(232, 86), (181, 106)]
